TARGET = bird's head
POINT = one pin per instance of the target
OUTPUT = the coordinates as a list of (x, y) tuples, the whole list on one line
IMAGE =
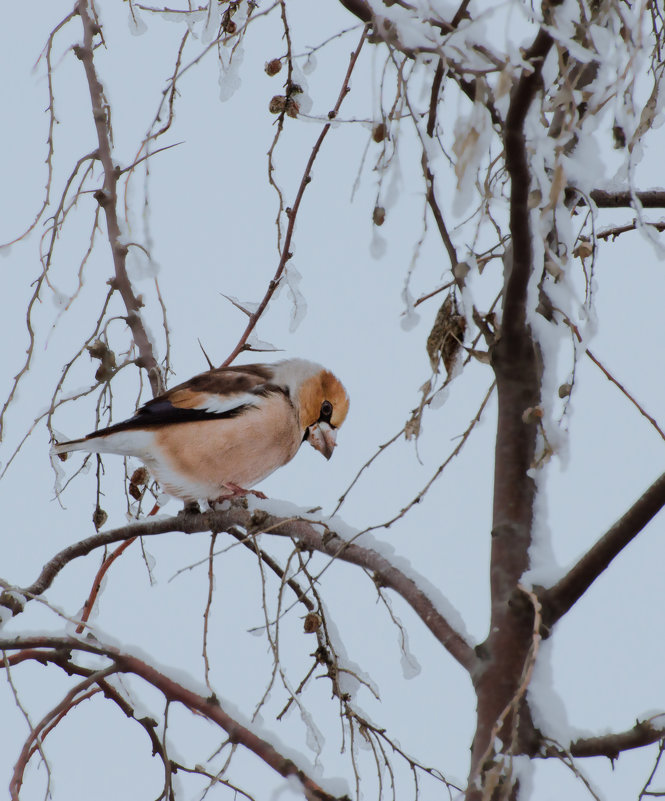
[(322, 407)]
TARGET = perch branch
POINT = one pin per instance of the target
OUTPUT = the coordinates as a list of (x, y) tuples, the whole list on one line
[(257, 522)]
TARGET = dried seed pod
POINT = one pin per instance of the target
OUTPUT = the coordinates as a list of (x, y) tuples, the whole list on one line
[(107, 368), (447, 335), (379, 132), (292, 108), (533, 414), (378, 215), (137, 483), (273, 66), (97, 349), (277, 104), (99, 517), (565, 390), (135, 491), (312, 622), (140, 476), (100, 350)]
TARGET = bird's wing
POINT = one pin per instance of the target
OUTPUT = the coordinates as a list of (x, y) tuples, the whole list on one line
[(221, 393)]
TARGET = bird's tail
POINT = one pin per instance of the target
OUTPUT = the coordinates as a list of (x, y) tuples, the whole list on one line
[(109, 440), (84, 444)]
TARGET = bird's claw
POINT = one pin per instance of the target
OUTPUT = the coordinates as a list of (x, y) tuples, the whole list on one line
[(236, 491)]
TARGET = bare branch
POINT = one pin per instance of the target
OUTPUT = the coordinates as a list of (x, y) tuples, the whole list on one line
[(259, 521), (107, 197), (616, 383), (616, 230), (33, 742), (651, 199), (560, 598), (293, 212), (644, 732), (173, 691)]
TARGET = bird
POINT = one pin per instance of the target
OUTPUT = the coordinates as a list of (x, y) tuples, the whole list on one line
[(223, 431)]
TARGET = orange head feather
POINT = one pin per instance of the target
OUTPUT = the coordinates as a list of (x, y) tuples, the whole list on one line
[(316, 389)]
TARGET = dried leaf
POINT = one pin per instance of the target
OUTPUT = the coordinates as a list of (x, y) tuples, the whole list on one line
[(447, 335)]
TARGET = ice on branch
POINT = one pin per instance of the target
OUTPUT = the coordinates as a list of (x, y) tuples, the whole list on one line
[(136, 24), (472, 141), (299, 310), (245, 306), (229, 73)]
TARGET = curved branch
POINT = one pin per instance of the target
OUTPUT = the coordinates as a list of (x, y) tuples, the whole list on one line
[(259, 521), (560, 598), (176, 692), (107, 198)]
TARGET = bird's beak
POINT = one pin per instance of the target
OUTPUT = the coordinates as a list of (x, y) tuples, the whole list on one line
[(322, 437)]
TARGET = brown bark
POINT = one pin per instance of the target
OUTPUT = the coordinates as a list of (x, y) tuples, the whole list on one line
[(516, 366)]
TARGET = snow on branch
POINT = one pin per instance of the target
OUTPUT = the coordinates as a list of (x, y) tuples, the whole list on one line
[(644, 732), (309, 536), (514, 302), (50, 649)]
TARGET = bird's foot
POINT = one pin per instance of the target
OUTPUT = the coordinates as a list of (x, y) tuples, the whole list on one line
[(236, 491), (191, 507)]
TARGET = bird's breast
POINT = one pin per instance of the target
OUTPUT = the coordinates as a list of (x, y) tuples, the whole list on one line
[(196, 459)]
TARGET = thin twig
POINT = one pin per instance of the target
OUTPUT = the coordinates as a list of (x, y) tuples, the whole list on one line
[(293, 212)]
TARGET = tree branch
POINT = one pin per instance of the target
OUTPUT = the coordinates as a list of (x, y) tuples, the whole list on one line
[(560, 598), (293, 211), (644, 732), (175, 692), (516, 366), (107, 198), (651, 199), (258, 522), (514, 304)]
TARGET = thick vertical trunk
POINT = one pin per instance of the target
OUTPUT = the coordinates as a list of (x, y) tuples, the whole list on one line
[(516, 364), (504, 653)]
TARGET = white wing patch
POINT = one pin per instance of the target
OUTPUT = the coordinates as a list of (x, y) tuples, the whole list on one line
[(219, 404)]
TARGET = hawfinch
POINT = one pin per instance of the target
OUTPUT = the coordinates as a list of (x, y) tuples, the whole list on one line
[(223, 431)]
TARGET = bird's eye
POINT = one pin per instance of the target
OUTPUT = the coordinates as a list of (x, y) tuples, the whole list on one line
[(326, 411)]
